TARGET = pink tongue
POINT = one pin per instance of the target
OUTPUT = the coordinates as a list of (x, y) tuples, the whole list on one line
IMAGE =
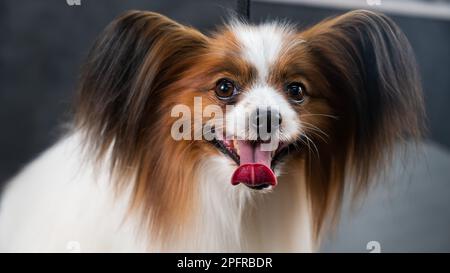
[(254, 166)]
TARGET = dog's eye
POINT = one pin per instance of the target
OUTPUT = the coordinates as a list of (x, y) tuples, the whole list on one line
[(225, 89), (296, 91)]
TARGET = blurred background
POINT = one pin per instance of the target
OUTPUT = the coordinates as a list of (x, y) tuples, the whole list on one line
[(43, 43)]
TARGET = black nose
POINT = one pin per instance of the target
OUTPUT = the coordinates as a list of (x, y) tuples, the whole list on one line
[(266, 121)]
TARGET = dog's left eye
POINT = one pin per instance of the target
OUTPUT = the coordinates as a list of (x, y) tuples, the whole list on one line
[(296, 91), (225, 89)]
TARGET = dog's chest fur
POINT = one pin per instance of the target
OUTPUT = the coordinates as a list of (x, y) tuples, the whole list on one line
[(58, 200)]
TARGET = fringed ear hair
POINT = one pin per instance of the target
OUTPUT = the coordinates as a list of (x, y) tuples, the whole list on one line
[(130, 65), (127, 74), (370, 69)]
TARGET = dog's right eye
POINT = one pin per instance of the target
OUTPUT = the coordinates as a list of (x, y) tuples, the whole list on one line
[(225, 89)]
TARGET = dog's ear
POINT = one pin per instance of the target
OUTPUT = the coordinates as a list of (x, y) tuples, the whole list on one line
[(135, 58), (372, 76)]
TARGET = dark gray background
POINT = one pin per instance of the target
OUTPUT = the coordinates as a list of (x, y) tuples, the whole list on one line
[(42, 44)]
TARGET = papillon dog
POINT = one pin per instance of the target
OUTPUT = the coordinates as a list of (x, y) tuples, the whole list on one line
[(244, 139)]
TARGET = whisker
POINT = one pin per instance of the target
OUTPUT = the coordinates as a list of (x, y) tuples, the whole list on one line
[(318, 135), (317, 131), (322, 115), (314, 145)]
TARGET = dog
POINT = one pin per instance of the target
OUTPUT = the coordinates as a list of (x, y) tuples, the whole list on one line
[(289, 119)]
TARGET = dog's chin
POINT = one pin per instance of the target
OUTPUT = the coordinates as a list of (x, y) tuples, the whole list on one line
[(258, 174)]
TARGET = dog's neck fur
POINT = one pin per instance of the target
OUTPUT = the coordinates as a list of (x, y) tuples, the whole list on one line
[(236, 219)]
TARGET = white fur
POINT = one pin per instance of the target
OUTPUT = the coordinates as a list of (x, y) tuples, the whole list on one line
[(262, 46), (246, 220), (57, 199), (262, 96)]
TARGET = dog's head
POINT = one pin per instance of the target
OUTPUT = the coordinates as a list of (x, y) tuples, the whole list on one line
[(163, 97)]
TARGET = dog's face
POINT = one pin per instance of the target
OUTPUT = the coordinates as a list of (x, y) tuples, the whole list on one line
[(162, 98), (269, 101)]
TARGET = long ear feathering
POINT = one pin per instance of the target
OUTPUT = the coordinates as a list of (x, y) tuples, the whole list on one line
[(120, 105), (125, 73), (371, 70)]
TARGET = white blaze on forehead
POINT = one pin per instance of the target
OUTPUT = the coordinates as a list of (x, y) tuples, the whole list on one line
[(261, 45)]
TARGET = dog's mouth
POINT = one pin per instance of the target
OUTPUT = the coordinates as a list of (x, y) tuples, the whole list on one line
[(256, 162)]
